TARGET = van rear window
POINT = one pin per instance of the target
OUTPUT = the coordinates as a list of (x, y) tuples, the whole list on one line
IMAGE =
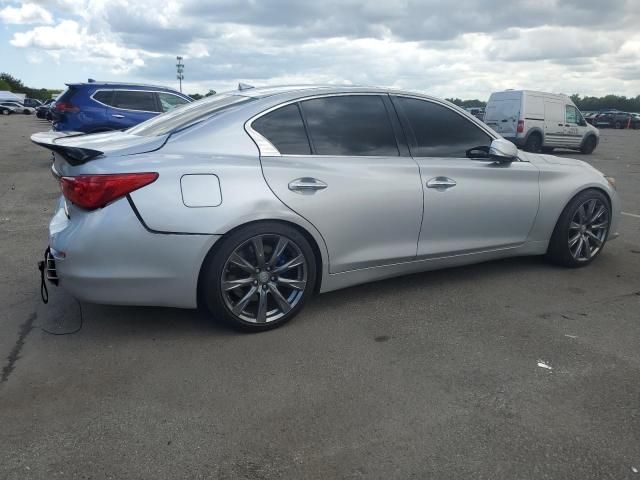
[(500, 109)]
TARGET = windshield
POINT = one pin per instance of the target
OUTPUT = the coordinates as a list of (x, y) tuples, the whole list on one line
[(187, 115)]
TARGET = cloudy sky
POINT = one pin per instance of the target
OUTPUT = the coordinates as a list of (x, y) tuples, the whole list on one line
[(462, 48)]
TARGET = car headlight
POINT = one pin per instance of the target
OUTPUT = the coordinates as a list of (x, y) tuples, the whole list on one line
[(612, 181)]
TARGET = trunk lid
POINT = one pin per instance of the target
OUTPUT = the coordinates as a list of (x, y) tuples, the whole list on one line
[(77, 149)]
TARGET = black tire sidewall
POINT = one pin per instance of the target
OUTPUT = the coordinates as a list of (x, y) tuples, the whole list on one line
[(211, 291), (534, 143), (589, 145), (558, 250)]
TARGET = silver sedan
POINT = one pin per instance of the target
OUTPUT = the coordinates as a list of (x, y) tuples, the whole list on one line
[(246, 203)]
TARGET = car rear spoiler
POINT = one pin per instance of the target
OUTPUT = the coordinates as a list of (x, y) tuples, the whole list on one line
[(73, 155)]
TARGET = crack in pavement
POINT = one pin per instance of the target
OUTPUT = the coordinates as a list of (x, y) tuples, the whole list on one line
[(24, 330)]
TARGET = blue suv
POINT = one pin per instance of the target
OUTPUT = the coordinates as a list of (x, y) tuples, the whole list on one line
[(103, 106)]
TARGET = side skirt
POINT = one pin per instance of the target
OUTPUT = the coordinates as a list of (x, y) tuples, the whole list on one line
[(355, 277)]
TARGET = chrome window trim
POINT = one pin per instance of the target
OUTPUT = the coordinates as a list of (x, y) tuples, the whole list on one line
[(129, 90), (267, 149)]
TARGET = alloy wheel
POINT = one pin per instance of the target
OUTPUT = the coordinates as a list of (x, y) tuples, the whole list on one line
[(264, 278), (588, 229)]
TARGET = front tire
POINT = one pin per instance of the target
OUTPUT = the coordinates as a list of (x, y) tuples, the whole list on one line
[(589, 145), (581, 231), (259, 277)]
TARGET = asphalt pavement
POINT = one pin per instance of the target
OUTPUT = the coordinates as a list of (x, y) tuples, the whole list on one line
[(503, 370)]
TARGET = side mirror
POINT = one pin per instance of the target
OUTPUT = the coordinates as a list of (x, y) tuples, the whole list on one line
[(503, 150), (582, 122)]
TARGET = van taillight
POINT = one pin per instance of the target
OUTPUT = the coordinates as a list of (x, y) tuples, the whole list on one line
[(95, 191), (66, 107), (520, 126)]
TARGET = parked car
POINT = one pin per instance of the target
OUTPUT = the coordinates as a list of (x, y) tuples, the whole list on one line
[(44, 109), (6, 110), (539, 121), (615, 119), (477, 112), (32, 102), (248, 202), (18, 107), (589, 117), (103, 106)]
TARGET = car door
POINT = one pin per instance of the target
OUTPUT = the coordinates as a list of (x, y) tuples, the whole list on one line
[(131, 107), (573, 129), (347, 176), (470, 205)]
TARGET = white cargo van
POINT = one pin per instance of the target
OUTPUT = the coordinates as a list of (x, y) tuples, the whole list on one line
[(538, 121)]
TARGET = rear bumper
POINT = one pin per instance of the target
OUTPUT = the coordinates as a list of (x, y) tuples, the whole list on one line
[(106, 256)]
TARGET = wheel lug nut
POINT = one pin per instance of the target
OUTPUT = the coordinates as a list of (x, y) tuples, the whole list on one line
[(255, 282), (257, 270), (264, 287), (273, 279)]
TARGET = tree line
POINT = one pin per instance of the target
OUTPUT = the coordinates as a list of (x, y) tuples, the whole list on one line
[(12, 84), (586, 104)]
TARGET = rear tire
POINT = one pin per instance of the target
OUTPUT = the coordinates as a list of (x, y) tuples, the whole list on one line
[(589, 145), (581, 231), (259, 277), (533, 143)]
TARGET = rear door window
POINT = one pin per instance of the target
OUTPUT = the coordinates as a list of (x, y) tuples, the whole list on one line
[(437, 131), (134, 100), (104, 96), (168, 101), (284, 129), (354, 125)]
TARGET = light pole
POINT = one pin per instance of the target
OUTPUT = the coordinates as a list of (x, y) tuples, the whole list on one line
[(180, 68)]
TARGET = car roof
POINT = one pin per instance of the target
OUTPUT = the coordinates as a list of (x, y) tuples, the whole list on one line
[(293, 91), (123, 85)]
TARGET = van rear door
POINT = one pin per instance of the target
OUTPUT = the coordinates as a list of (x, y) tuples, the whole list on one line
[(502, 115)]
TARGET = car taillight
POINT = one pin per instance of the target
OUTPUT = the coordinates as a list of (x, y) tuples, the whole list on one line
[(66, 107), (520, 126), (95, 191)]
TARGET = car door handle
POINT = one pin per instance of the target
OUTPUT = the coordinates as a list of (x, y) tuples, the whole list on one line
[(306, 185), (441, 182), (117, 115), (561, 124)]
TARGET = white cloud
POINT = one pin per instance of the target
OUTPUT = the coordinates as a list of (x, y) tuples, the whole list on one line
[(466, 50), (27, 13), (66, 34)]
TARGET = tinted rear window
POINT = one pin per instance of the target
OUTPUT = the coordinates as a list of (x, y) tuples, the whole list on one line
[(187, 115), (67, 95), (438, 131), (134, 100), (284, 129), (350, 125)]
